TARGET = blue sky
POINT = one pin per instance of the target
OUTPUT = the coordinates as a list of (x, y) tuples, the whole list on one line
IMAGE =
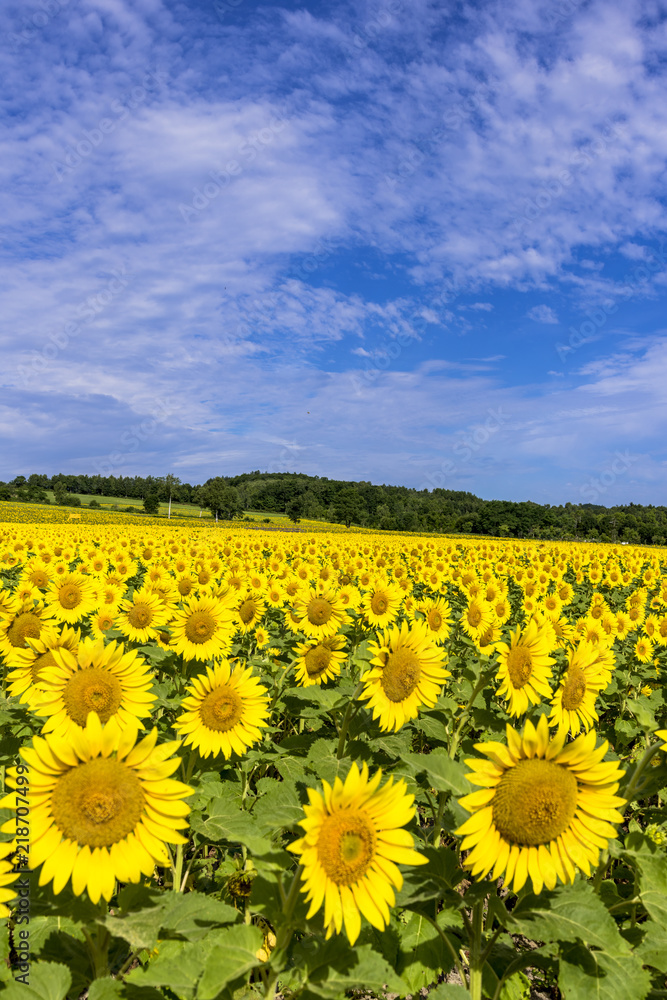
[(412, 243)]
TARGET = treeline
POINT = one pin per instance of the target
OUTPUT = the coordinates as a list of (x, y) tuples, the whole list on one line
[(390, 508)]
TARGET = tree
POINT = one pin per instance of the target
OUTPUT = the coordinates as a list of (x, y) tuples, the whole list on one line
[(59, 492), (152, 503), (348, 506), (294, 509), (221, 499)]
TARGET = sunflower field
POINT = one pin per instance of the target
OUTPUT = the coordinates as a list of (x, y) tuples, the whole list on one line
[(243, 763)]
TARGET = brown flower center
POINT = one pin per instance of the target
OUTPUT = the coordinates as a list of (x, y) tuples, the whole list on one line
[(535, 802), (25, 626), (319, 611), (317, 661), (519, 665), (346, 845), (92, 690), (400, 675), (140, 615), (222, 709), (97, 803), (574, 689)]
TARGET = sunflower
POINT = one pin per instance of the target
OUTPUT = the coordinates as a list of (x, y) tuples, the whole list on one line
[(25, 678), (203, 629), (250, 608), (7, 876), (109, 596), (437, 615), (319, 661), (36, 573), (407, 671), (101, 622), (262, 637), (524, 668), (225, 710), (643, 649), (141, 617), (23, 622), (543, 807), (573, 705), (102, 807), (381, 603), (99, 678), (662, 735), (353, 842), (71, 597), (476, 618), (486, 640), (319, 615)]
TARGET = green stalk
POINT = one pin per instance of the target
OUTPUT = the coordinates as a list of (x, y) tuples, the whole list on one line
[(98, 947), (476, 957), (283, 936), (350, 711), (177, 869), (454, 745), (633, 789)]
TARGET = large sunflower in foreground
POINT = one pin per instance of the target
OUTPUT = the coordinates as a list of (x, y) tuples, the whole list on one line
[(407, 671), (202, 629), (352, 845), (524, 668), (99, 678), (102, 807), (225, 710), (544, 807), (319, 661)]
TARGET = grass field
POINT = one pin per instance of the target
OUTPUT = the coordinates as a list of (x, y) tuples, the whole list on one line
[(177, 509)]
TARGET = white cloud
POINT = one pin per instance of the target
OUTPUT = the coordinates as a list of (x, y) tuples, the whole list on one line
[(543, 314)]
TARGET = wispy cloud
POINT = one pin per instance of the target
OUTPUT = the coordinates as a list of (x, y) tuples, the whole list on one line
[(348, 211)]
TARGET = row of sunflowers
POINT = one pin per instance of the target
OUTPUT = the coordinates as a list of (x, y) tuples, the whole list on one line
[(241, 762)]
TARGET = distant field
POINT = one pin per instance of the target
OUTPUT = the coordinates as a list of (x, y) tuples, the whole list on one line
[(177, 509)]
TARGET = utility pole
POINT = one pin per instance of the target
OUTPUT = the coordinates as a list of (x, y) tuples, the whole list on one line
[(170, 481)]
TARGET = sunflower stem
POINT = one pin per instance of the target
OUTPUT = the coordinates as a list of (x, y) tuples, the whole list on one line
[(177, 869), (476, 956), (284, 935), (633, 788), (350, 711), (98, 946), (454, 745)]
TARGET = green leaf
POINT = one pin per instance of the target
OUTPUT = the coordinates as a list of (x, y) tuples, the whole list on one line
[(231, 957), (423, 956), (584, 973), (202, 968), (449, 991), (650, 861), (653, 949), (279, 805), (333, 968), (439, 771), (226, 822), (435, 880), (150, 916), (44, 981), (569, 913)]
